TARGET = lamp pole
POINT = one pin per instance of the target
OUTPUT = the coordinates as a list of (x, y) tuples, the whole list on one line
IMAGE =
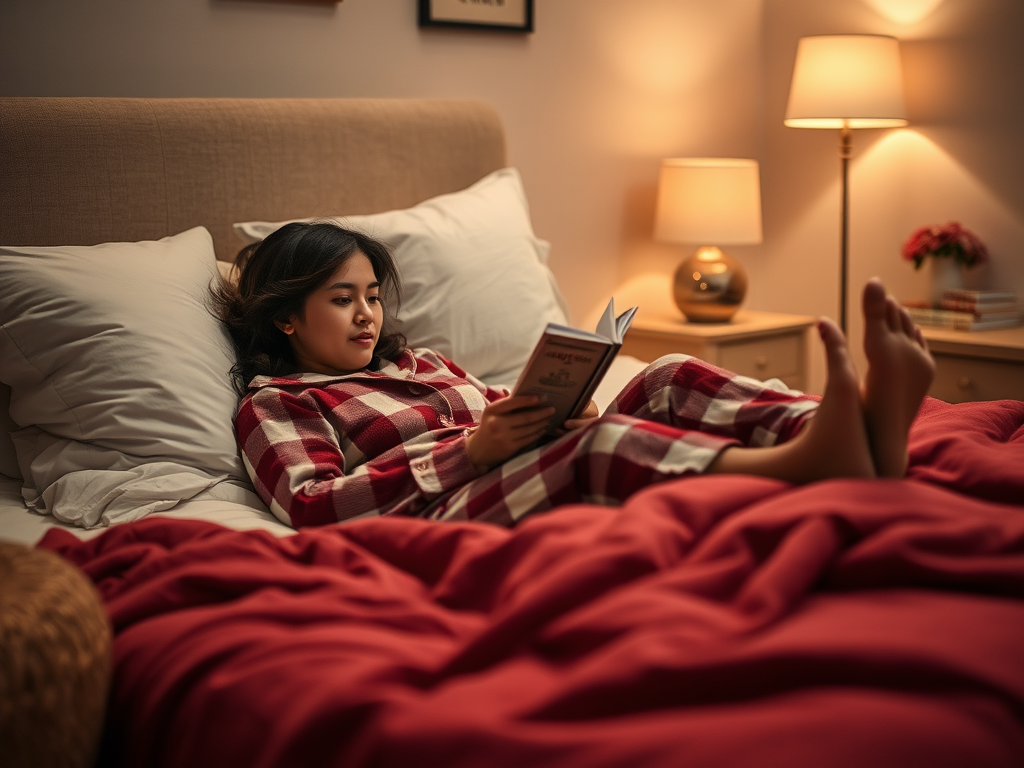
[(845, 150), (846, 82)]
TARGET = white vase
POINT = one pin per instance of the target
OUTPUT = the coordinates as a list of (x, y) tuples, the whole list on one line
[(947, 275)]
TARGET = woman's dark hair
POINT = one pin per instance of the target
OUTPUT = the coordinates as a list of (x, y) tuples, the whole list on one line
[(276, 276)]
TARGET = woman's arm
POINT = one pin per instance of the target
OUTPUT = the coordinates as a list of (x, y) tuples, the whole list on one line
[(295, 461), (506, 427), (589, 414)]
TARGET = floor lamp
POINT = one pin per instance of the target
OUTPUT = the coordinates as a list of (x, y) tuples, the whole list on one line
[(845, 82)]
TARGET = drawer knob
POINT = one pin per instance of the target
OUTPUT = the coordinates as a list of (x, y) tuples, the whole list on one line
[(761, 361), (964, 382)]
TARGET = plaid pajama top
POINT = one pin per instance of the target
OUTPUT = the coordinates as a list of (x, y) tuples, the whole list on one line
[(322, 448)]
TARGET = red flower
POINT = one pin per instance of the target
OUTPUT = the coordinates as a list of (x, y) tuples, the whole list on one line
[(952, 239)]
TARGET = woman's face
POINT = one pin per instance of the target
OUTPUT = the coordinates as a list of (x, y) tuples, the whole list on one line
[(340, 322)]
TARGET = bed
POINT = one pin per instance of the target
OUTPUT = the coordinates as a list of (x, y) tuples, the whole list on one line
[(707, 621)]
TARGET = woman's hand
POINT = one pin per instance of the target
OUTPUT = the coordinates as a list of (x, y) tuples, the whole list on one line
[(589, 413), (506, 427)]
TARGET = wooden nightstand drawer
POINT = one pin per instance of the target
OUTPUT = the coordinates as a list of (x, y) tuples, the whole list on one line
[(764, 345), (977, 365), (963, 379), (779, 357)]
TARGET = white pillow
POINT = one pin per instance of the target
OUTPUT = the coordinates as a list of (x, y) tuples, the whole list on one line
[(476, 286), (119, 376), (8, 457)]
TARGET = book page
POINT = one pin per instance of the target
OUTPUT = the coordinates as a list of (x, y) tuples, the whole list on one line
[(622, 324), (606, 325), (614, 328)]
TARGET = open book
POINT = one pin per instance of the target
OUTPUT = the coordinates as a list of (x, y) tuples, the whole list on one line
[(567, 364)]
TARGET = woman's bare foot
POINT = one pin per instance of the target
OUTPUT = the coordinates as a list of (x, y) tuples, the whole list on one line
[(833, 443), (900, 370)]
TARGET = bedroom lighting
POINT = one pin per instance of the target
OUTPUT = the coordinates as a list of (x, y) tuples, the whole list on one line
[(845, 82), (905, 11), (709, 202)]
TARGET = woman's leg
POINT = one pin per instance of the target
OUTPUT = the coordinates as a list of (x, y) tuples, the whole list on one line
[(858, 430), (900, 370), (679, 416), (683, 416), (602, 463), (832, 444), (777, 436), (688, 393)]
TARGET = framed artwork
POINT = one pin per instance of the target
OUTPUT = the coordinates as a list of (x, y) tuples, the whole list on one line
[(499, 15)]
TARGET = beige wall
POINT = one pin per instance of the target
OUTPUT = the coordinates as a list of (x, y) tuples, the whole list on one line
[(960, 159), (596, 97)]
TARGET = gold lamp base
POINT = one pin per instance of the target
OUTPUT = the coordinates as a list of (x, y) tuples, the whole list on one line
[(709, 286)]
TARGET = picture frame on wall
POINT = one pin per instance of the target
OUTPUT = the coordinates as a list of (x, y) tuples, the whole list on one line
[(497, 15)]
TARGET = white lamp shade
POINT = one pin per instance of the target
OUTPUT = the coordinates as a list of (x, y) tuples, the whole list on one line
[(851, 80), (709, 201)]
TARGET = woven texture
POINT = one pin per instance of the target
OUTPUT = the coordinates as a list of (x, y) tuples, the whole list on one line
[(55, 661), (81, 171)]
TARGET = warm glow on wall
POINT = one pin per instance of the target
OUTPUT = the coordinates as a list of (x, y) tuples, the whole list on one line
[(905, 11), (660, 64), (931, 186)]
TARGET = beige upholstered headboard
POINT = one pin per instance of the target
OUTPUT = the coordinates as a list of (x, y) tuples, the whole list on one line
[(80, 171)]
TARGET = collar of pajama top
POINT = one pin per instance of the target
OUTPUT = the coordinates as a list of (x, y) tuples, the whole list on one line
[(412, 364), (421, 370), (422, 380)]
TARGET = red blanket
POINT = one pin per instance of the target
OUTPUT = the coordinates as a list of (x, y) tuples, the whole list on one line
[(725, 621)]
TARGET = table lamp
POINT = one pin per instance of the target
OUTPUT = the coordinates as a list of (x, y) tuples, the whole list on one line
[(709, 202), (845, 82)]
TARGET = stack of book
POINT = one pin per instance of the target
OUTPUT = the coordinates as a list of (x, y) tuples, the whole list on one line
[(965, 310)]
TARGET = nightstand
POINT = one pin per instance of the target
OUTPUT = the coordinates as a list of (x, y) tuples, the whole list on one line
[(977, 365), (764, 345)]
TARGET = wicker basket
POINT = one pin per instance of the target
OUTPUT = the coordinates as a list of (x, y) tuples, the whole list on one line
[(55, 659)]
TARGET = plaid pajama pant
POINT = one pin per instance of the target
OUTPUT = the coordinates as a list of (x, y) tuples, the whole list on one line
[(672, 419)]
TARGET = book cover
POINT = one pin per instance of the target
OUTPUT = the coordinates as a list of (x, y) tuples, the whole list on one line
[(991, 324), (979, 310), (567, 364), (964, 321), (933, 316), (980, 297)]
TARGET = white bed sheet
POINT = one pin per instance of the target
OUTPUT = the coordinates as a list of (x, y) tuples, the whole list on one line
[(623, 368), (20, 525)]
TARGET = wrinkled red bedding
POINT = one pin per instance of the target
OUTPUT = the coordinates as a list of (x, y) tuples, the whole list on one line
[(723, 621)]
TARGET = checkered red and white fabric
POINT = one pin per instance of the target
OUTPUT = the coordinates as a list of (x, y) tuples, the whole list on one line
[(323, 448), (326, 448)]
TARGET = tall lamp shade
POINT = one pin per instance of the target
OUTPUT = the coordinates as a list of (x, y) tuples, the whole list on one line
[(846, 82), (709, 202)]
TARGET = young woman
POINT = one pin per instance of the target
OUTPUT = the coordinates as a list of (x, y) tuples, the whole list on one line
[(340, 420)]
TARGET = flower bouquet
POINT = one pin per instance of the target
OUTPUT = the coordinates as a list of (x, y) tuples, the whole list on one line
[(951, 239)]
